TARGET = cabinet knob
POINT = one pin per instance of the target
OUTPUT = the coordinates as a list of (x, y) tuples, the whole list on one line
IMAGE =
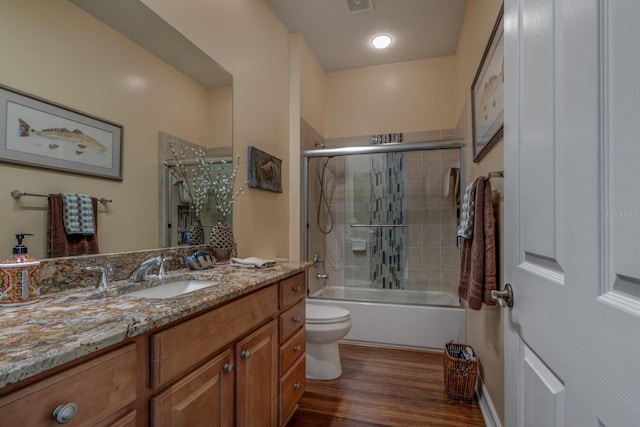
[(65, 413), (296, 319), (228, 367), (297, 289), (297, 348), (245, 354), (296, 386)]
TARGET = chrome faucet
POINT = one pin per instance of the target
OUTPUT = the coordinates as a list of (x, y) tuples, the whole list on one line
[(140, 273), (106, 272)]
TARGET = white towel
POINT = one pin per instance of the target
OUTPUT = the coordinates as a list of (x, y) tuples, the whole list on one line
[(252, 262)]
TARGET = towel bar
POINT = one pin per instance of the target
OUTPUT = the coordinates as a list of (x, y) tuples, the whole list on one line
[(378, 225), (16, 194)]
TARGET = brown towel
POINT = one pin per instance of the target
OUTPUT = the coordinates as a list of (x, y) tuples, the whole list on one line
[(478, 258), (59, 243)]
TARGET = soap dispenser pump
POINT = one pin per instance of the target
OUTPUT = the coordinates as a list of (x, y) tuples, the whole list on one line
[(19, 275)]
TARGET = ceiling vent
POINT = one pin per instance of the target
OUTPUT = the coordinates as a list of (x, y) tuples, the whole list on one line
[(357, 6)]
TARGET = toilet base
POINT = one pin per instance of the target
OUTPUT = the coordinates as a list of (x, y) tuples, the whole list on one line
[(323, 361)]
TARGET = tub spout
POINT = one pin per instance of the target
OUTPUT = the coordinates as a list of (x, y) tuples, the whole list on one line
[(322, 276)]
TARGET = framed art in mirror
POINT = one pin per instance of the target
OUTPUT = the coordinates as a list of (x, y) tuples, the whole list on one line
[(487, 95), (264, 170), (37, 132)]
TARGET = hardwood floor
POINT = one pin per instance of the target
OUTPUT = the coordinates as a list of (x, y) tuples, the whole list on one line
[(384, 387)]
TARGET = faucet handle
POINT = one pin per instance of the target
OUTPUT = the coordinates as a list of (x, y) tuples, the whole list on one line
[(105, 274), (317, 261)]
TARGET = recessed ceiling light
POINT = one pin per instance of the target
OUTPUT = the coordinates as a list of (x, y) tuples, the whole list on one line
[(382, 41)]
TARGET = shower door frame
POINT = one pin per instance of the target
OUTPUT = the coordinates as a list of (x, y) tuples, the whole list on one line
[(368, 149)]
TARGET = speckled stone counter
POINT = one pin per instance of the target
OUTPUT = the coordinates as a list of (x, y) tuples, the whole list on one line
[(64, 326)]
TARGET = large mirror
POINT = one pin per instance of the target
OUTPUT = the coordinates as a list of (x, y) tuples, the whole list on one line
[(137, 22), (174, 92)]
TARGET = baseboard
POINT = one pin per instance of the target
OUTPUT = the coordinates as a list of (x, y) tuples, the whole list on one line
[(489, 414)]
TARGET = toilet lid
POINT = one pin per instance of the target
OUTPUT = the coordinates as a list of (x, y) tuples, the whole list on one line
[(317, 313)]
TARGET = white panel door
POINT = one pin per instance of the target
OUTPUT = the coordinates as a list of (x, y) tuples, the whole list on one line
[(572, 212)]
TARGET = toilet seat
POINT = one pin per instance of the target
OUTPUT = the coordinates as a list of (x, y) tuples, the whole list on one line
[(322, 314)]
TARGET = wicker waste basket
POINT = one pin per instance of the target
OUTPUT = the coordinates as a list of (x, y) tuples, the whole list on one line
[(460, 374)]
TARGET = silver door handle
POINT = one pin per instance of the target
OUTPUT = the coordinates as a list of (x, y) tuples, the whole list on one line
[(504, 297)]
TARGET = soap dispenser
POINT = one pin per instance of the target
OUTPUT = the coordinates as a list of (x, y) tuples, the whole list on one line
[(19, 277)]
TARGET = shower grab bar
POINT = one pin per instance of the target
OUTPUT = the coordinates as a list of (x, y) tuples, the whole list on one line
[(379, 225)]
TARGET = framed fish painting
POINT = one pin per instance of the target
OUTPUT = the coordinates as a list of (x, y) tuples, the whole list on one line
[(487, 95), (37, 132), (264, 170)]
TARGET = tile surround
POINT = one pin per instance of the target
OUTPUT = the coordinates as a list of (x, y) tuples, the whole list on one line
[(431, 244)]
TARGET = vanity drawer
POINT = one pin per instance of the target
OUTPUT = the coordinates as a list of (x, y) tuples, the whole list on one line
[(98, 388), (180, 348), (291, 320), (292, 350), (292, 289), (291, 388)]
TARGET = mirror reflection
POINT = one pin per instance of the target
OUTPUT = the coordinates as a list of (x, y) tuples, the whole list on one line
[(185, 220), (153, 82)]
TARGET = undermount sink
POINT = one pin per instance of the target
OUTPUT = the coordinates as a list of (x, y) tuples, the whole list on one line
[(173, 289)]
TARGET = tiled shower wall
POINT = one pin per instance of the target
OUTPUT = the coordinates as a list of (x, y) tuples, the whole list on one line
[(430, 259)]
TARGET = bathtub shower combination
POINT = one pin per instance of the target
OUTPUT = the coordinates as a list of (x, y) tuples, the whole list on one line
[(381, 225)]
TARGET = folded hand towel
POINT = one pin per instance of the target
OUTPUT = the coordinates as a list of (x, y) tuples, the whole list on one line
[(78, 214), (252, 262)]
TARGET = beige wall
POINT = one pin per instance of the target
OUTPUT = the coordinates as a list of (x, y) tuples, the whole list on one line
[(401, 97), (89, 67), (221, 117), (249, 41), (312, 88), (484, 327)]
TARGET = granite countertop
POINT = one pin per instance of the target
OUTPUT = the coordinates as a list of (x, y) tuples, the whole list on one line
[(64, 326)]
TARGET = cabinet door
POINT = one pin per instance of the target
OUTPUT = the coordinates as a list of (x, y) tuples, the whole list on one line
[(257, 377), (202, 398)]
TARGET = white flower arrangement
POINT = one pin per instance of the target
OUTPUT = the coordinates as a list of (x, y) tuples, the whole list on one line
[(206, 178), (221, 186)]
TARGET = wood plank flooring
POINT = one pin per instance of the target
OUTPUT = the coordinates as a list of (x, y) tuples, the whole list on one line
[(384, 387)]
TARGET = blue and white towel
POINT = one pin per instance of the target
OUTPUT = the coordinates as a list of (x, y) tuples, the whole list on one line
[(467, 211), (77, 213)]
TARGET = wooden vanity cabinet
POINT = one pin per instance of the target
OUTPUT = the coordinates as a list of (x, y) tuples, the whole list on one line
[(238, 379), (239, 364), (99, 388), (292, 368), (204, 397), (244, 374), (257, 379)]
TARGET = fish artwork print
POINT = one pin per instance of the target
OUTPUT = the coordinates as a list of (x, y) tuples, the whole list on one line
[(75, 136)]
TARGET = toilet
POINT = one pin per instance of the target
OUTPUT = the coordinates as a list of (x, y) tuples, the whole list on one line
[(325, 326)]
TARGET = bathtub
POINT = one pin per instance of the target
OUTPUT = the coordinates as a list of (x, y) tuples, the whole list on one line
[(398, 317)]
